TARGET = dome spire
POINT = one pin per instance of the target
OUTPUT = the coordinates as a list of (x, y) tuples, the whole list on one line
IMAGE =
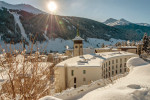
[(77, 29)]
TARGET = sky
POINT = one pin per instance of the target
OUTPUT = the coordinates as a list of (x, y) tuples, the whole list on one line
[(137, 11)]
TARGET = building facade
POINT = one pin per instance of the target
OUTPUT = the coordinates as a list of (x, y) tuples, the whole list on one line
[(82, 70)]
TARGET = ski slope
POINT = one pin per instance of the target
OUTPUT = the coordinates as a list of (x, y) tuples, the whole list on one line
[(17, 20)]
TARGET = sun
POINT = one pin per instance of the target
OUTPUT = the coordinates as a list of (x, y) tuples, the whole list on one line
[(52, 6)]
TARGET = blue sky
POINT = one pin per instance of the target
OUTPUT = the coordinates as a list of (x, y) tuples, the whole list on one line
[(100, 10)]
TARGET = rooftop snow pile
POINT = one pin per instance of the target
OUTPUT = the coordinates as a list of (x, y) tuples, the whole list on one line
[(135, 86), (49, 98), (135, 61)]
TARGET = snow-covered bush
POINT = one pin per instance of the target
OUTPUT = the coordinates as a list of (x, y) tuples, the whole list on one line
[(25, 78)]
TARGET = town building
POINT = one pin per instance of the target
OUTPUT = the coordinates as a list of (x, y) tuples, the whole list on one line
[(131, 49), (82, 70), (78, 45)]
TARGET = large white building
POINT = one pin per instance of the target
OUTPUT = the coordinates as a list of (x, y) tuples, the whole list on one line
[(81, 70)]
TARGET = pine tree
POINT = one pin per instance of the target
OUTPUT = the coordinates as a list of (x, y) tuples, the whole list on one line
[(102, 46), (145, 42)]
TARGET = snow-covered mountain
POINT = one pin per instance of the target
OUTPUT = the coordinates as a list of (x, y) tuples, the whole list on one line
[(143, 24), (115, 22), (24, 21), (24, 7)]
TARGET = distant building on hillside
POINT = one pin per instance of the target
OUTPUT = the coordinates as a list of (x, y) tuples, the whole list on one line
[(131, 49), (106, 49)]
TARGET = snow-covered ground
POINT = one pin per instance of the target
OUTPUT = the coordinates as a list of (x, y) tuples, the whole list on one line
[(59, 44), (134, 86)]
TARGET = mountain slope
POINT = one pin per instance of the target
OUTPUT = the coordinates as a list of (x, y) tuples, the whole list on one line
[(115, 22), (23, 7), (42, 27)]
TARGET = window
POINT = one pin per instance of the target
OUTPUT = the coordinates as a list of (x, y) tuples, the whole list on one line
[(80, 46), (116, 60), (109, 68), (109, 62), (120, 70), (112, 72), (125, 65), (72, 72), (75, 80), (84, 71), (74, 86), (120, 60), (112, 67), (116, 72), (76, 46), (106, 69), (84, 79), (112, 61), (125, 59), (104, 65), (109, 74), (116, 66), (125, 70), (120, 65)]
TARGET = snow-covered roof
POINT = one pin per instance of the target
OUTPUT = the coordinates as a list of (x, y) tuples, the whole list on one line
[(91, 60), (49, 98), (132, 47), (78, 38), (102, 48)]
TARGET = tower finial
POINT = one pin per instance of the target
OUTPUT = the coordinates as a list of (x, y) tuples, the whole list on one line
[(77, 29)]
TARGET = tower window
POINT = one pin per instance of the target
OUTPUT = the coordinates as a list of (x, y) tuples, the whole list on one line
[(75, 80), (72, 72)]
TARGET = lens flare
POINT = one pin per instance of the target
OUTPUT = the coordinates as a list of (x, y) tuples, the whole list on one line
[(52, 6)]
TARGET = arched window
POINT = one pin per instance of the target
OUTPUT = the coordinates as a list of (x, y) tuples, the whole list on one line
[(75, 80)]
